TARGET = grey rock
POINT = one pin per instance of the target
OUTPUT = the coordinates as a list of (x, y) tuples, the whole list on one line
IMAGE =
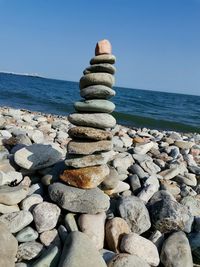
[(45, 216), (107, 255), (70, 222), (126, 260), (111, 180), (157, 238), (79, 251), (105, 58), (103, 67), (143, 148), (188, 179), (12, 195), (96, 79), (176, 251), (170, 173), (136, 169), (97, 91), (8, 209), (29, 250), (96, 120), (134, 212), (38, 156), (16, 221), (134, 182), (150, 167), (27, 234), (95, 105), (79, 200), (193, 204), (62, 233), (194, 240)]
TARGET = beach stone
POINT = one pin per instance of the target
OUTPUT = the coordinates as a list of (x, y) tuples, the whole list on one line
[(115, 229), (103, 59), (89, 160), (134, 182), (150, 187), (79, 251), (8, 209), (97, 92), (29, 250), (27, 234), (104, 67), (184, 144), (107, 255), (70, 222), (193, 204), (187, 191), (136, 169), (170, 186), (16, 221), (97, 78), (150, 167), (87, 148), (8, 247), (188, 179), (96, 120), (168, 215), (62, 233), (12, 195), (170, 173), (157, 238), (194, 240), (5, 166), (89, 133), (31, 201), (111, 180), (45, 216), (88, 177), (143, 148), (127, 260), (10, 177), (95, 105), (134, 212), (37, 137), (122, 162), (140, 158), (176, 251), (121, 187), (103, 47), (93, 227), (143, 248), (89, 201), (49, 237)]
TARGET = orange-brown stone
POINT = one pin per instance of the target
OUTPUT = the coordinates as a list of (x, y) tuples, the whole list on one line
[(86, 178), (103, 47)]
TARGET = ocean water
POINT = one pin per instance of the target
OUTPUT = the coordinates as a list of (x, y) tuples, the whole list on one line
[(134, 107)]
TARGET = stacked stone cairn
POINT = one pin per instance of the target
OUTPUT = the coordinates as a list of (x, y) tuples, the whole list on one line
[(90, 149)]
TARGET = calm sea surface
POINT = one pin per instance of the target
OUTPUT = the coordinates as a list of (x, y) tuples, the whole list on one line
[(134, 107)]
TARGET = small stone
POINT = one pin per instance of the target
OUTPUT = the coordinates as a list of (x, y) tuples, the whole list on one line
[(188, 179), (134, 183), (102, 78), (143, 248), (96, 120), (115, 229), (45, 216), (87, 148), (143, 148), (30, 202), (194, 239), (93, 227), (107, 255), (89, 133), (127, 260), (37, 156), (157, 238), (62, 233), (8, 209), (10, 178), (136, 169), (111, 180), (79, 251), (103, 47), (151, 186), (150, 167), (104, 67), (103, 59), (170, 173), (193, 204), (89, 201), (49, 237), (176, 251), (97, 92), (170, 186), (37, 137), (134, 212), (184, 144), (121, 187), (12, 195), (16, 221), (27, 234), (70, 222), (29, 250), (95, 105)]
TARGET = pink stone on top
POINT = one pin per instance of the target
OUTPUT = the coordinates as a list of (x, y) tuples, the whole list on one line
[(103, 47)]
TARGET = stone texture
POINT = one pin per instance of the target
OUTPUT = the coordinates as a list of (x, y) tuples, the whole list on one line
[(143, 148), (97, 92), (143, 248), (27, 234), (176, 251), (10, 177), (89, 133), (29, 250), (95, 105), (93, 227), (96, 120), (31, 201), (103, 47), (126, 260), (38, 156), (79, 200), (170, 173), (49, 237), (104, 67), (115, 229), (111, 180), (103, 59), (88, 177), (8, 247), (87, 148), (102, 78), (79, 251), (12, 195), (134, 212), (45, 216), (8, 209)]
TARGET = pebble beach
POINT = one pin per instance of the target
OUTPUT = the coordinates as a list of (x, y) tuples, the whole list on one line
[(82, 190)]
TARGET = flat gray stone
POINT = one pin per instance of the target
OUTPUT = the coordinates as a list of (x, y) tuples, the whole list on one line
[(103, 67), (105, 58), (96, 120), (38, 156), (97, 79), (78, 251), (12, 195), (95, 105), (29, 250), (79, 200), (176, 251), (97, 91), (27, 234)]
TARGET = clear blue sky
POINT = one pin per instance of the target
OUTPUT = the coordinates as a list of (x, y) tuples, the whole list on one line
[(157, 42)]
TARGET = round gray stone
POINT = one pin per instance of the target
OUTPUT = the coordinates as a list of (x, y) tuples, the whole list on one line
[(95, 105), (96, 79), (105, 58), (104, 67), (29, 250), (97, 91), (27, 234)]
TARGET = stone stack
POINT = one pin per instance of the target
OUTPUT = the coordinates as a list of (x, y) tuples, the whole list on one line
[(90, 149)]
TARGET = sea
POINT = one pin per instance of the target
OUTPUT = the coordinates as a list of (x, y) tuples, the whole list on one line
[(134, 107)]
